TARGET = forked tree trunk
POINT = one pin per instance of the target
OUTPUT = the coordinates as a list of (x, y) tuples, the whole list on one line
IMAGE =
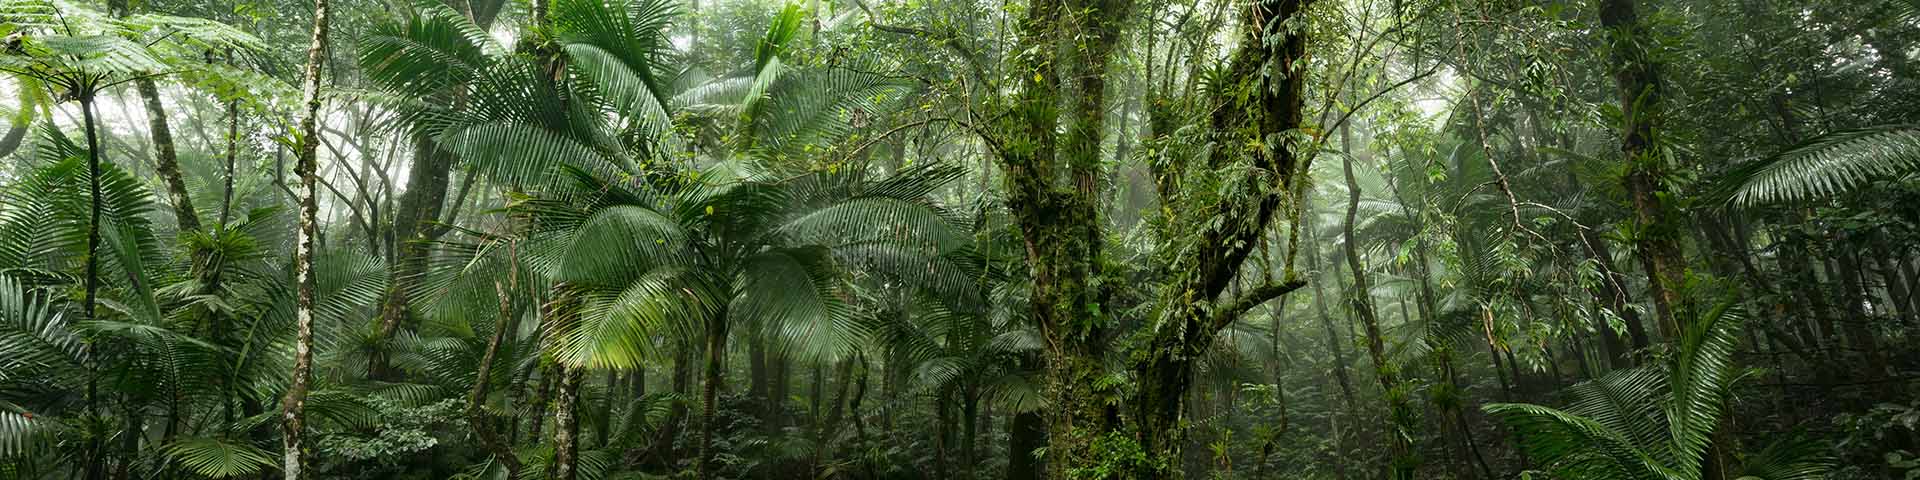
[(293, 406)]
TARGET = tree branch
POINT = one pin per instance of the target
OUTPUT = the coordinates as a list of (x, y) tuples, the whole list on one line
[(949, 41), (1252, 298)]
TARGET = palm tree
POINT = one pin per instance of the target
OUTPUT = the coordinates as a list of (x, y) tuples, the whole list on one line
[(1650, 423), (700, 258)]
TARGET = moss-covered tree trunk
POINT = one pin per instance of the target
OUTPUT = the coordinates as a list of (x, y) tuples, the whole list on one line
[(166, 158), (1656, 233), (1052, 188), (420, 205), (482, 424), (1257, 126)]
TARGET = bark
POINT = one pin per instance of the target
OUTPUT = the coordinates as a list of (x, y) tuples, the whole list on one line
[(477, 418), (757, 374), (419, 205), (566, 425), (1192, 316), (1656, 236), (1059, 220), (426, 194), (306, 165), (233, 151), (1402, 464), (166, 158), (710, 391), (606, 409), (96, 448), (969, 422), (537, 427), (1858, 329)]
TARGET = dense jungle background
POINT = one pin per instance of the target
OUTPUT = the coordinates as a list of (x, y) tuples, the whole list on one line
[(1020, 239)]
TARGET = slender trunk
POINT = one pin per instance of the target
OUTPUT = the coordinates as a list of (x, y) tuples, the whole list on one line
[(1613, 294), (566, 425), (969, 421), (942, 431), (1403, 463), (477, 418), (166, 158), (757, 384), (780, 369), (710, 392), (96, 448), (537, 426), (606, 409), (294, 406), (1859, 332), (233, 151)]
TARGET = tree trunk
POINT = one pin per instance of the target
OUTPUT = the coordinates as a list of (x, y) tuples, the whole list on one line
[(969, 421), (566, 425), (293, 423), (233, 152), (426, 193), (1402, 464), (166, 158), (1656, 237), (710, 391), (96, 446), (477, 418), (22, 120)]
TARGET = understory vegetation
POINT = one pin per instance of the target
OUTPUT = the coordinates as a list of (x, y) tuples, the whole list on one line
[(1019, 239)]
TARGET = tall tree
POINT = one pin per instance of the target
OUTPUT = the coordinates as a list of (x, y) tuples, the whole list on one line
[(1360, 300), (414, 223), (1656, 230), (166, 157), (293, 407)]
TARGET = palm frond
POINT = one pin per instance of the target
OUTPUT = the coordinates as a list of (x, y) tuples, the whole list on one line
[(1827, 165), (218, 458)]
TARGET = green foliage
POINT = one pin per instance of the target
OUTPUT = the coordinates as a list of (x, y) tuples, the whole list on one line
[(1652, 424), (219, 458), (1827, 166)]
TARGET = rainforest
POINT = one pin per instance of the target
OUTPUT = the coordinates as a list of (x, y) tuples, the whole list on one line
[(967, 239)]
